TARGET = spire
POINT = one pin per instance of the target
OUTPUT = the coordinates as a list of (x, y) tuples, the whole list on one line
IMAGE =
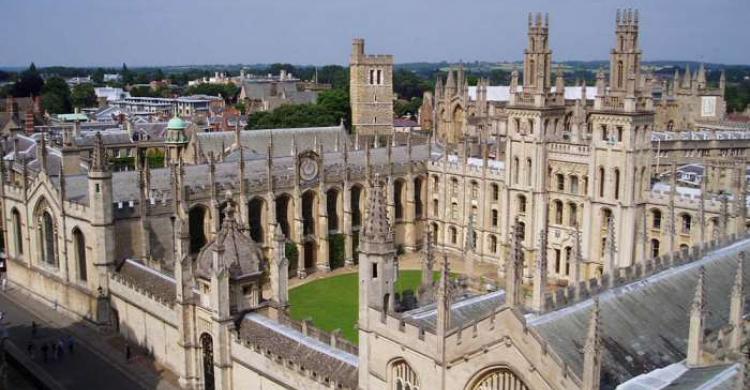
[(737, 306), (701, 78), (722, 82), (513, 267), (697, 322), (686, 78), (610, 264), (574, 278), (600, 83), (560, 81), (444, 299), (592, 351), (376, 228), (540, 274), (428, 261), (514, 78), (98, 157)]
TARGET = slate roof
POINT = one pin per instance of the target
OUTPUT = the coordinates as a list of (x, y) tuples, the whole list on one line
[(160, 285), (463, 311), (645, 323), (680, 377), (292, 345)]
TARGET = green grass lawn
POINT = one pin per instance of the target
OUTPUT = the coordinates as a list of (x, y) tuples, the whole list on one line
[(332, 302)]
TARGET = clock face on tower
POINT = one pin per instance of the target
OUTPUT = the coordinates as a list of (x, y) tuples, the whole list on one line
[(308, 169)]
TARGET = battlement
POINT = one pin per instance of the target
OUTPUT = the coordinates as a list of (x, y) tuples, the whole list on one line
[(627, 17), (538, 21)]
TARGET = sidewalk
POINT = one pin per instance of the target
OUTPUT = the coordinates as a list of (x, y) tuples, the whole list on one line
[(98, 360)]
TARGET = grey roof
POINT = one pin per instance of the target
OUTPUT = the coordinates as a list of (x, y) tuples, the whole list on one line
[(645, 323), (679, 376), (159, 285), (109, 137), (256, 141), (241, 255), (463, 311), (291, 345)]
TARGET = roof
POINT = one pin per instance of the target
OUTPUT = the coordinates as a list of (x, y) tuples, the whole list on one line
[(680, 377), (158, 284), (291, 345), (463, 311), (644, 323), (501, 93)]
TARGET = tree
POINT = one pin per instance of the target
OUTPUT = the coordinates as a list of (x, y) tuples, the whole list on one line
[(127, 76), (56, 96), (228, 91), (332, 106), (408, 85), (142, 91), (30, 83), (98, 76), (83, 95)]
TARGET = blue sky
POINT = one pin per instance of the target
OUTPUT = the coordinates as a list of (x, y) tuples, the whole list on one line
[(183, 32)]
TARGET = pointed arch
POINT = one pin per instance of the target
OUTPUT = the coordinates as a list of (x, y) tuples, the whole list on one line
[(79, 244), (402, 376), (497, 378), (257, 216)]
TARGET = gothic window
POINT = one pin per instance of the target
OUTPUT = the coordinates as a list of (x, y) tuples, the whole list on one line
[(558, 255), (495, 192), (522, 231), (379, 77), (474, 190), (371, 81), (454, 211), (687, 222), (418, 206), (568, 259), (500, 378), (493, 244), (585, 184), (47, 239), (560, 180), (515, 170), (17, 231), (656, 219), (670, 125), (207, 345), (435, 207), (601, 181), (454, 235), (80, 251), (435, 183), (558, 212), (619, 134), (196, 220), (619, 74), (256, 209), (532, 72), (495, 218), (454, 186), (403, 377), (605, 133), (654, 248), (398, 189)]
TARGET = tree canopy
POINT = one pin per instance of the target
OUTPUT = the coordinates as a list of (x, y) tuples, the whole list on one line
[(227, 91), (83, 95), (56, 96), (331, 107), (29, 84)]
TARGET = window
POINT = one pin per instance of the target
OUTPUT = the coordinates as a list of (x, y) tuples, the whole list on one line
[(617, 184), (379, 77), (528, 172), (374, 273), (495, 192), (493, 244), (558, 255), (654, 248), (522, 231), (371, 80), (47, 239), (560, 180), (605, 133), (568, 259), (521, 204), (495, 218), (572, 214), (454, 210), (80, 250), (474, 190), (435, 183), (574, 184), (656, 219), (435, 207), (454, 186), (558, 212), (687, 222), (601, 182), (619, 134), (516, 163), (454, 235), (404, 377), (18, 235)]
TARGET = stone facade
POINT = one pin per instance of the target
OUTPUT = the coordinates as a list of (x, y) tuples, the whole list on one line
[(371, 91)]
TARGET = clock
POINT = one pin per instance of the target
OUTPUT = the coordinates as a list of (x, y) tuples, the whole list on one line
[(308, 169)]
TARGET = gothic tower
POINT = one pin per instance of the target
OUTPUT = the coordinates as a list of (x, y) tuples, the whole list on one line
[(371, 91), (621, 124)]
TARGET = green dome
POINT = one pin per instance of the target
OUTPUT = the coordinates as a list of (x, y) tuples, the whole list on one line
[(176, 123)]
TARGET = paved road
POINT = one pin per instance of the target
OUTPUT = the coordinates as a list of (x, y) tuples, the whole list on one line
[(81, 370)]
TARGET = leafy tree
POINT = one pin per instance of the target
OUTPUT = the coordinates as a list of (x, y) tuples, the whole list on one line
[(56, 96), (227, 91), (83, 95), (127, 75), (30, 83), (143, 91), (403, 107), (408, 85), (98, 76), (331, 107), (738, 96)]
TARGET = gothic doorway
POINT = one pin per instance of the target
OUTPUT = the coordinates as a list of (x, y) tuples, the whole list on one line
[(197, 226), (208, 361), (309, 254)]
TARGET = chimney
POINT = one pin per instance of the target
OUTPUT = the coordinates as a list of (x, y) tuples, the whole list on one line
[(37, 104)]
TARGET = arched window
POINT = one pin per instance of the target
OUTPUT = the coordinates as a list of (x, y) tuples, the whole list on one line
[(560, 181), (474, 190), (516, 163), (528, 171), (454, 235), (454, 211), (47, 239), (257, 212), (418, 205), (495, 192), (403, 377), (619, 74), (574, 184), (572, 214), (207, 345), (601, 181), (398, 191), (17, 231), (495, 218), (499, 378), (558, 212), (454, 186), (654, 248), (435, 207), (568, 259), (80, 250), (493, 244), (522, 231), (197, 228), (435, 183)]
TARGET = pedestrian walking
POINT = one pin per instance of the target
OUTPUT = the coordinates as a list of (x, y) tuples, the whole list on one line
[(127, 352), (61, 347), (70, 344), (45, 350)]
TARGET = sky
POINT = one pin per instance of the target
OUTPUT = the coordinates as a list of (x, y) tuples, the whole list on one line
[(191, 32)]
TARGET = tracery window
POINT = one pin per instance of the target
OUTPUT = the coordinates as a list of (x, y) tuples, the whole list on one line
[(403, 377), (47, 235), (500, 378)]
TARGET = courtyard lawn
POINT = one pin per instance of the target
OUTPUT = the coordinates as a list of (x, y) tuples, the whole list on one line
[(332, 302)]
